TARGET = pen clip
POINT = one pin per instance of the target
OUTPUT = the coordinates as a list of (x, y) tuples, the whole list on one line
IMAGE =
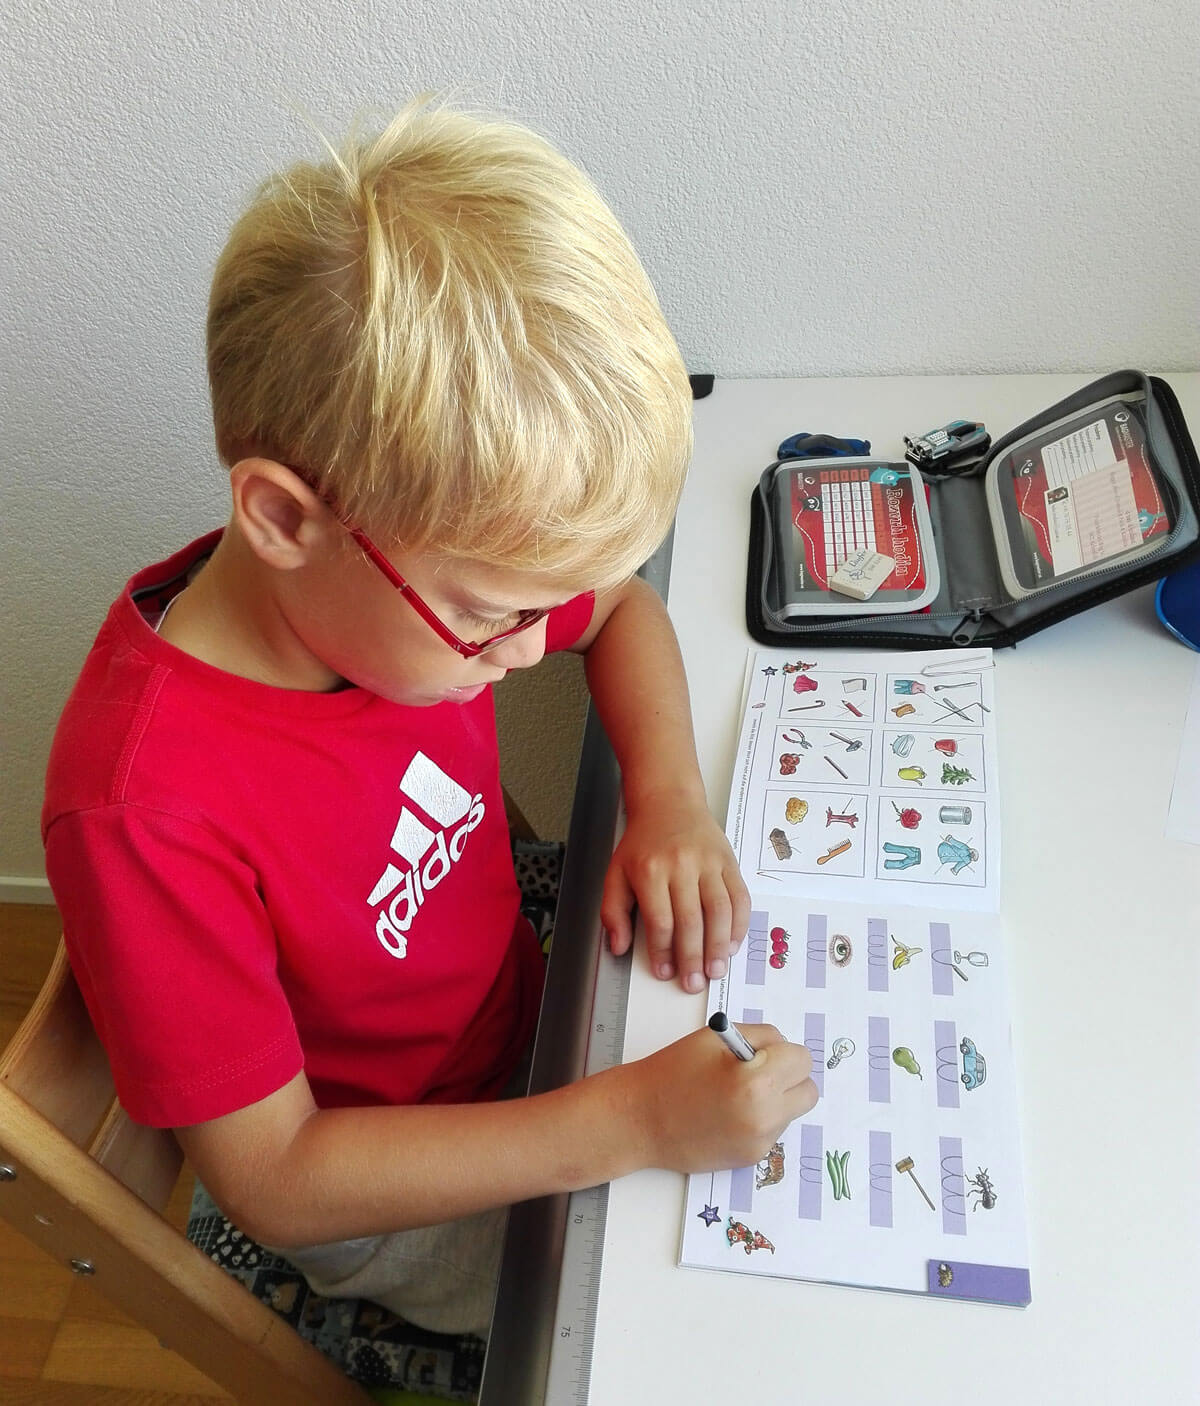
[(962, 664)]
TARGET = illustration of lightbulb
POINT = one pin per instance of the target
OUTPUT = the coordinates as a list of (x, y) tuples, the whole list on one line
[(842, 1049)]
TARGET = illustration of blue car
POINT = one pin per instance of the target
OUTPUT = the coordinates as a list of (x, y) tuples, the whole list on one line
[(974, 1064)]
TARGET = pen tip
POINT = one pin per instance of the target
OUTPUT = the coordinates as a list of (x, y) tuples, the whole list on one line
[(718, 1021)]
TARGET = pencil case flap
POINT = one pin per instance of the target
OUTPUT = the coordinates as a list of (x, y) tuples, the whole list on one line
[(974, 605)]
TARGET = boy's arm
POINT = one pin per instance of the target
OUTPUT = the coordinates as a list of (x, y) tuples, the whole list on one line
[(673, 858), (288, 1173)]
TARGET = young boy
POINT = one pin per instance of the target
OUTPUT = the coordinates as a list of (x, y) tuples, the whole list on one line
[(455, 423)]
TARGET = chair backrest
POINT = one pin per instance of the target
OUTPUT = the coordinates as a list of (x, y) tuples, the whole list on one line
[(89, 1186)]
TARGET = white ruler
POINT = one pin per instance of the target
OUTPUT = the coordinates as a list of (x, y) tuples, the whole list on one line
[(570, 1368)]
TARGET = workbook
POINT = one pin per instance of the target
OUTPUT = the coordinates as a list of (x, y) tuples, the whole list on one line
[(863, 813)]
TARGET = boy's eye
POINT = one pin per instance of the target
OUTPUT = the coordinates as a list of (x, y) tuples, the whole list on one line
[(483, 625)]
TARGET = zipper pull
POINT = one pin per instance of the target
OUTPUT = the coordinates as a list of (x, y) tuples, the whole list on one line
[(967, 628)]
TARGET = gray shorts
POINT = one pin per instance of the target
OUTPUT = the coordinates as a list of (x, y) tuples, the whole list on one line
[(441, 1277)]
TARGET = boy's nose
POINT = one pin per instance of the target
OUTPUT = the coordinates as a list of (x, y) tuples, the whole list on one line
[(522, 650)]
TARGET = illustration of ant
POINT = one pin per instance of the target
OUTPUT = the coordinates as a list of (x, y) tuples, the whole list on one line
[(981, 1185)]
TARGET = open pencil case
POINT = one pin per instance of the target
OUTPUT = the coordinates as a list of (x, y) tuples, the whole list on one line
[(1094, 496)]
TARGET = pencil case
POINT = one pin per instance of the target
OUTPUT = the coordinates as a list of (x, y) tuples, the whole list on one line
[(1096, 495)]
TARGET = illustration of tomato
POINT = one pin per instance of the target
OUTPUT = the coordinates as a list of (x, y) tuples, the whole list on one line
[(777, 933), (779, 944), (778, 960)]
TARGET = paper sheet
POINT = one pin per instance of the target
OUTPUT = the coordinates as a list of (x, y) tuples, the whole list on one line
[(907, 1174), (858, 775), (1183, 817)]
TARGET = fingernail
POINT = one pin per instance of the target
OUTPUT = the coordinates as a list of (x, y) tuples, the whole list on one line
[(665, 971), (717, 969), (693, 981)]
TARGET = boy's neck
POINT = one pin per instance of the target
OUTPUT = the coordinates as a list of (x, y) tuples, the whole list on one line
[(229, 617)]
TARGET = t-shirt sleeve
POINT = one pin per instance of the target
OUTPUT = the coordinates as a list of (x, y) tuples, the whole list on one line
[(567, 623), (176, 959)]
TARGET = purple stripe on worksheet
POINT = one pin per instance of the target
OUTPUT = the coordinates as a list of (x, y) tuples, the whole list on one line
[(954, 1204), (814, 972), (993, 1283), (945, 1044), (741, 1189), (941, 954), (881, 1179), (811, 1153), (751, 1015), (879, 1059), (814, 1038), (757, 949), (878, 964)]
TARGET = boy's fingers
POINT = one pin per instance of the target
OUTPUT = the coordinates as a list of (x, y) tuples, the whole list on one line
[(654, 905), (794, 1061), (762, 1036), (718, 923), (740, 900), (688, 935), (615, 907)]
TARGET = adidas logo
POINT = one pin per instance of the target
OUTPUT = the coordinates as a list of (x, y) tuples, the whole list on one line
[(428, 853)]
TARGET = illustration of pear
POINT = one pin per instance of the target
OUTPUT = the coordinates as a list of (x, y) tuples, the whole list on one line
[(906, 1060)]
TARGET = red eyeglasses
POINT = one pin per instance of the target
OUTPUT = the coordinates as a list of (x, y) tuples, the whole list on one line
[(525, 618), (468, 649)]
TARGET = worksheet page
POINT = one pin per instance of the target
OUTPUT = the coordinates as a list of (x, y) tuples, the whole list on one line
[(868, 775), (907, 1174)]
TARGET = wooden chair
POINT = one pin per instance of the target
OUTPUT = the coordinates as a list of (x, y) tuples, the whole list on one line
[(89, 1186)]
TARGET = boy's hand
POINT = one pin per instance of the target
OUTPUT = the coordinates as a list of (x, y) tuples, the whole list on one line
[(675, 863), (699, 1108)]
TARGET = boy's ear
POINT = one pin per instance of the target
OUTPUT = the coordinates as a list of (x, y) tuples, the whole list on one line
[(282, 520)]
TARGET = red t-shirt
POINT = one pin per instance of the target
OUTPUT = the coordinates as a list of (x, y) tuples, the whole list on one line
[(255, 880)]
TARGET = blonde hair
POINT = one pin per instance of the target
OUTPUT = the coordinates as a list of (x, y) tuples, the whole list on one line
[(446, 331)]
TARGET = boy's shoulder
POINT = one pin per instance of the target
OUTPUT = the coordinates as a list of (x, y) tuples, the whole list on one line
[(148, 724)]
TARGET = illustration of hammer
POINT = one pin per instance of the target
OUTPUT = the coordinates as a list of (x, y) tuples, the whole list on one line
[(905, 1164), (852, 743)]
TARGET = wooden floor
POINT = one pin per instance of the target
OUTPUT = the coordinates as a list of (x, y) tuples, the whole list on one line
[(60, 1340)]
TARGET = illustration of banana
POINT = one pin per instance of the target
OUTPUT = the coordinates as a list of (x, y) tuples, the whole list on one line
[(903, 955)]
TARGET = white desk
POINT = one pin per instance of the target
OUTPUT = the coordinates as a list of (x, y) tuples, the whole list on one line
[(1102, 925)]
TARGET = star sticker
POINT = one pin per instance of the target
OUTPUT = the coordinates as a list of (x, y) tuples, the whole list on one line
[(710, 1215), (770, 669)]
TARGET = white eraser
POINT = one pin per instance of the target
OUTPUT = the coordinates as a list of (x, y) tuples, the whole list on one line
[(861, 574)]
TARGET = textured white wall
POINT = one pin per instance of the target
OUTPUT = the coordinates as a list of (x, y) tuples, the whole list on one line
[(857, 186)]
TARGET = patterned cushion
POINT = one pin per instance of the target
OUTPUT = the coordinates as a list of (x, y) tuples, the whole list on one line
[(367, 1342)]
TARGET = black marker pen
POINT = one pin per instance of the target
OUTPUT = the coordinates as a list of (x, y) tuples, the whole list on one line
[(731, 1036)]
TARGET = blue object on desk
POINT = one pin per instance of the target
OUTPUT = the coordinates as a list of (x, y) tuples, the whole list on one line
[(820, 446), (1177, 601)]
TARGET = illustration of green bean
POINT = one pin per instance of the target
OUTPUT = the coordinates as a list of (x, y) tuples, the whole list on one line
[(835, 1165)]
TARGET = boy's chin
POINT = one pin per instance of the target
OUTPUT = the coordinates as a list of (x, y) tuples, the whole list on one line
[(463, 695), (417, 698)]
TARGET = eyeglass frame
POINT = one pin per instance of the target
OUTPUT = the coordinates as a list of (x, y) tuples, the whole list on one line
[(526, 619)]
